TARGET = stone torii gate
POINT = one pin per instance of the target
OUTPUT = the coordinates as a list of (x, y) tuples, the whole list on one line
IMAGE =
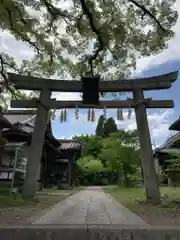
[(44, 103)]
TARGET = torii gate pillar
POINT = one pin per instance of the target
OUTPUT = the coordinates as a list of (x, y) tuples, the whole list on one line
[(148, 163), (35, 149)]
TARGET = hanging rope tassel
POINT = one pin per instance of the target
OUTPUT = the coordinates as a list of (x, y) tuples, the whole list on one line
[(129, 113), (65, 115), (62, 116), (77, 113), (54, 115), (105, 112), (93, 116), (89, 115), (121, 115)]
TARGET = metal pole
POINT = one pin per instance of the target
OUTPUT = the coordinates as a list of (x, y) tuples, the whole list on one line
[(14, 169), (1, 142)]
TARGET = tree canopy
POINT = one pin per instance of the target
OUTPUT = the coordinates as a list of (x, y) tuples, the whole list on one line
[(97, 35), (91, 145), (109, 127), (120, 151), (73, 38), (90, 165), (117, 156)]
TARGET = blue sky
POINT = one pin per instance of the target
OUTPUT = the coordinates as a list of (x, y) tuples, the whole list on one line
[(159, 120)]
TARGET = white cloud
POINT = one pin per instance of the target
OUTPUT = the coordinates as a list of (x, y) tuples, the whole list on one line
[(17, 49), (158, 125), (66, 96), (27, 53), (3, 46)]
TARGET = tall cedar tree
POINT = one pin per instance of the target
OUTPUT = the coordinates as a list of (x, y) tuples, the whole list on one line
[(100, 126), (109, 127)]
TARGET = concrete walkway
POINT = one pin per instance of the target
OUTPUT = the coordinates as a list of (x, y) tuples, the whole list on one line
[(90, 206)]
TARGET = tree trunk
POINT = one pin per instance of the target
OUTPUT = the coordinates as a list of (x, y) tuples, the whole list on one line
[(1, 148), (120, 177), (126, 180), (142, 174)]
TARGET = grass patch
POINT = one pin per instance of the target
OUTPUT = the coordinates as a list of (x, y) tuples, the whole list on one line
[(166, 213), (134, 198), (8, 201), (48, 198)]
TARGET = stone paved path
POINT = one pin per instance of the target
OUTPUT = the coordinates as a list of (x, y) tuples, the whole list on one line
[(90, 206)]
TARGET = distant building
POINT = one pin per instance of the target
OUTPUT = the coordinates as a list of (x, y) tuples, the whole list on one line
[(171, 145)]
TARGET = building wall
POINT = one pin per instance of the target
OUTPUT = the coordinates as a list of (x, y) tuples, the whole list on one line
[(6, 160), (9, 158)]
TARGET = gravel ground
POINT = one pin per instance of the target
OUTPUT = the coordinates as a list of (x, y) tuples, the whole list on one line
[(29, 213), (19, 215)]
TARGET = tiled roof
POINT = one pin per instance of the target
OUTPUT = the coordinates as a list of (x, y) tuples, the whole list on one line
[(28, 129), (62, 160), (4, 123), (30, 121), (176, 125), (14, 144), (28, 124), (169, 142), (69, 145), (20, 116), (25, 119)]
